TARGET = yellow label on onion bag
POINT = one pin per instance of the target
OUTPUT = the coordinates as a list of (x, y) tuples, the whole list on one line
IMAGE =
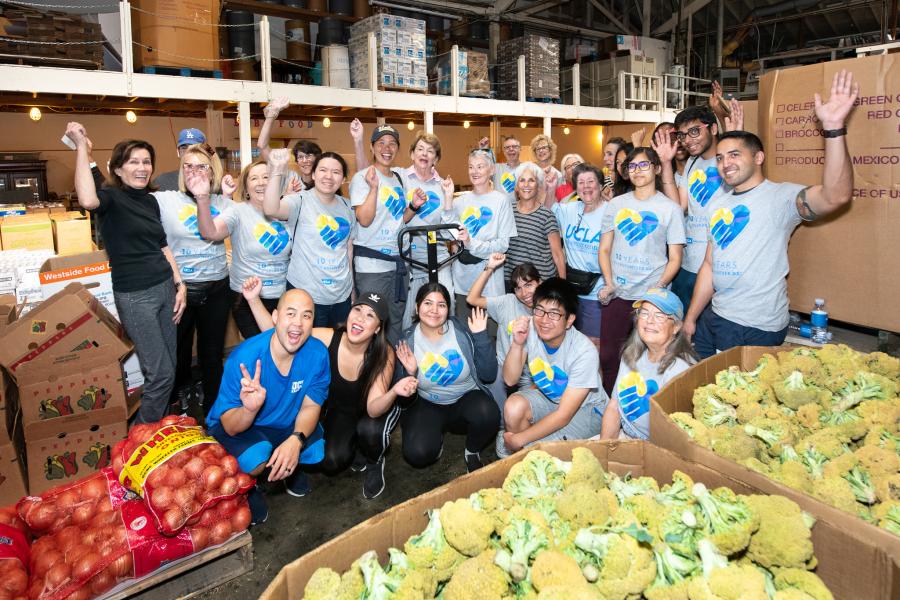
[(166, 442)]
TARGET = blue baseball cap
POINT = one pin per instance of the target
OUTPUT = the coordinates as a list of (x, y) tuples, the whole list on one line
[(190, 136), (664, 300)]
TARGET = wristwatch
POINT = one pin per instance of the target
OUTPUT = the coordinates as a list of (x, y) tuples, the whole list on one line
[(302, 437), (833, 133)]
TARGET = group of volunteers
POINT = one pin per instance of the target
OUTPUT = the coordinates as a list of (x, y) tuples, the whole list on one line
[(574, 294)]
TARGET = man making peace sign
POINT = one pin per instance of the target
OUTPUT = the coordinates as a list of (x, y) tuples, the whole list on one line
[(273, 387)]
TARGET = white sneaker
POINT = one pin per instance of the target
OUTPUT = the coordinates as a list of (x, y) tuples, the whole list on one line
[(500, 446)]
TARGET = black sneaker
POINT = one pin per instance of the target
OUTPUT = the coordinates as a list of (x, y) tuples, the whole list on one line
[(181, 403), (359, 463), (473, 461), (298, 484), (374, 483), (259, 508)]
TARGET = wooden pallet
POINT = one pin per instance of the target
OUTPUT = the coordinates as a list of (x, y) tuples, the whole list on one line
[(192, 575), (182, 71), (544, 100), (392, 88)]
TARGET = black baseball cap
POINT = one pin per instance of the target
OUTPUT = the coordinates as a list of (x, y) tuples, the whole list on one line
[(383, 130), (376, 302)]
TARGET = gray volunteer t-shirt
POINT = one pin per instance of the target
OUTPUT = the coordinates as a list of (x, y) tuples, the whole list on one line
[(489, 220), (580, 233), (444, 375), (703, 182), (574, 364), (643, 230), (750, 232), (504, 310), (259, 246), (324, 231), (429, 213), (505, 180), (381, 235), (198, 260), (633, 390)]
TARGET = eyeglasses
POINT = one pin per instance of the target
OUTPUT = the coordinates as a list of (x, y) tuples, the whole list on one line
[(550, 314), (692, 132), (658, 317), (526, 286), (198, 168), (572, 165), (644, 165), (512, 147), (301, 157), (541, 148)]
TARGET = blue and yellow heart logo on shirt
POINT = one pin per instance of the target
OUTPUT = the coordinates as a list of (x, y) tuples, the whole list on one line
[(550, 379), (634, 395), (635, 225), (332, 230), (703, 185), (187, 214), (273, 236), (442, 369), (393, 200), (726, 225), (474, 218), (508, 182), (432, 203)]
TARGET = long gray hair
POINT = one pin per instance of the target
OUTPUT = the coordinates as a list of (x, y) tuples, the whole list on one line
[(679, 347)]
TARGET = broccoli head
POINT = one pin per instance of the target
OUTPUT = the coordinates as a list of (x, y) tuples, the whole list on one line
[(696, 430), (861, 484), (731, 582), (430, 550), (737, 387), (619, 560), (774, 433), (409, 583), (711, 410), (883, 364), (837, 492), (891, 519), (323, 585), (582, 505), (538, 474), (554, 568), (585, 468), (733, 443), (678, 492), (495, 503), (840, 465), (878, 461), (681, 532), (882, 437), (881, 413), (727, 517), (352, 583), (803, 581), (804, 360), (865, 386), (628, 486), (887, 487), (809, 417), (570, 591), (829, 442), (521, 539), (783, 538), (466, 529), (477, 577), (795, 390), (847, 423), (767, 370), (793, 474)]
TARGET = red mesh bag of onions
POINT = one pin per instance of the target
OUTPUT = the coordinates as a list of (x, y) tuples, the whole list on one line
[(83, 561), (14, 555), (178, 470)]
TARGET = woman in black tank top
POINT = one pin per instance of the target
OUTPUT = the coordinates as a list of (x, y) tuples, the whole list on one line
[(361, 409)]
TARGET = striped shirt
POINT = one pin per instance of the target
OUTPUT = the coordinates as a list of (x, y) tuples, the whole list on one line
[(532, 244)]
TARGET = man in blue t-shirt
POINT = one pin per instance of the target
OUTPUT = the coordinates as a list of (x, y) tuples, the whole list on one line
[(271, 419)]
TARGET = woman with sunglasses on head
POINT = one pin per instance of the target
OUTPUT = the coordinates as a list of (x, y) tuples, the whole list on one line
[(454, 365), (260, 246), (564, 399), (147, 285), (643, 241), (580, 225), (203, 267), (656, 351), (305, 152), (322, 227), (537, 232)]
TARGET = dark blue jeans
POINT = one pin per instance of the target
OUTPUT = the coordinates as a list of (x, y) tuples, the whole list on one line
[(683, 287), (717, 334), (327, 315)]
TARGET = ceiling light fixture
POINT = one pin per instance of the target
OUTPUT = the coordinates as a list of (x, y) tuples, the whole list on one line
[(466, 124), (326, 122), (35, 113), (131, 117)]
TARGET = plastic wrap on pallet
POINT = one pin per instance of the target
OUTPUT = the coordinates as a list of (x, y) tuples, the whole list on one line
[(541, 67), (400, 45)]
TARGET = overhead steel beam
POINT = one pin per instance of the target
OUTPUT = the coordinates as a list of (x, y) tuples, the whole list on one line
[(613, 19), (582, 31), (536, 8), (689, 10), (646, 17), (502, 5)]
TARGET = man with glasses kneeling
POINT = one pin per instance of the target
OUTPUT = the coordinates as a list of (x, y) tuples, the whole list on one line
[(564, 399)]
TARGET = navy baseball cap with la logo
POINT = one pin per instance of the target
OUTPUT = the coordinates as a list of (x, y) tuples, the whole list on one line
[(191, 136), (383, 130), (376, 302)]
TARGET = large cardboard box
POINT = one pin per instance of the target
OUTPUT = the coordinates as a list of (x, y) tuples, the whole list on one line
[(67, 331), (27, 232), (853, 254), (72, 454), (853, 566), (90, 269), (72, 232), (176, 33), (676, 397)]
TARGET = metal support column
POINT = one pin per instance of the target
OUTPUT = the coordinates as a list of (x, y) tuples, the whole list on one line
[(244, 132)]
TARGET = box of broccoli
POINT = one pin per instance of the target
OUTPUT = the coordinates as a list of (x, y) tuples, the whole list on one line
[(820, 426), (593, 520)]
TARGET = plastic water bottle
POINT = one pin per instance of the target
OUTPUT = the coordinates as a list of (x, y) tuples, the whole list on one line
[(819, 321), (799, 327)]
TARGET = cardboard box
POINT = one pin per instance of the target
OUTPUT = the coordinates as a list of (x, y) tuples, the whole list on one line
[(177, 33), (7, 310), (858, 244), (12, 467), (676, 396), (27, 232), (72, 232), (71, 455), (90, 269), (66, 331), (850, 564)]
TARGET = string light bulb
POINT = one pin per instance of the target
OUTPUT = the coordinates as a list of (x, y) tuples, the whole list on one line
[(566, 130), (326, 122), (411, 125), (523, 125), (131, 117), (35, 113), (466, 124)]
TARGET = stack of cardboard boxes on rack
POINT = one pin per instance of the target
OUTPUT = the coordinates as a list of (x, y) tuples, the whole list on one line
[(38, 33), (474, 79), (541, 67), (400, 44)]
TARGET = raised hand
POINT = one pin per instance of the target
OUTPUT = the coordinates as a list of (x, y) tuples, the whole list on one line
[(448, 188), (664, 145), (77, 133), (372, 178), (484, 143), (228, 185), (407, 358), (637, 137), (198, 184), (717, 101), (274, 108), (833, 113), (419, 198), (520, 330), (406, 387), (295, 186), (253, 394), (356, 130), (477, 320), (251, 287), (279, 159), (496, 259), (551, 179), (735, 120)]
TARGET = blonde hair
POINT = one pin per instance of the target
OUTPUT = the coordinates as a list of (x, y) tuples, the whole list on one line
[(540, 138), (208, 156), (241, 192), (430, 139)]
